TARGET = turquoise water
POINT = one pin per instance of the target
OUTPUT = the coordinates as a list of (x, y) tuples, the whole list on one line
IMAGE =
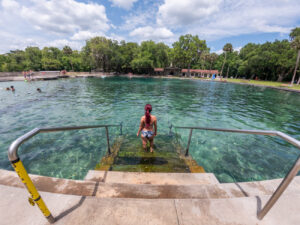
[(91, 101)]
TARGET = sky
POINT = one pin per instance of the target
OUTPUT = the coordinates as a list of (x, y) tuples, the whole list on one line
[(71, 22)]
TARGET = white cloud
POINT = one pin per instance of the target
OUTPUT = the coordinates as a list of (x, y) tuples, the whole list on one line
[(215, 19), (10, 4), (135, 20), (84, 35), (67, 16), (60, 43), (50, 22), (219, 52), (174, 12), (237, 49), (148, 32), (125, 4)]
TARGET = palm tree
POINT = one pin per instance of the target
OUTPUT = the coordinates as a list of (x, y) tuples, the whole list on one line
[(227, 48), (295, 37)]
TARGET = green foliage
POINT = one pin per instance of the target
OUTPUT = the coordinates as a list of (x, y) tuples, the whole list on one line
[(295, 33), (273, 61), (188, 51)]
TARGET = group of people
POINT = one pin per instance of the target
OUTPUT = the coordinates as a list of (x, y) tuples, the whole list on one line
[(27, 74), (12, 88)]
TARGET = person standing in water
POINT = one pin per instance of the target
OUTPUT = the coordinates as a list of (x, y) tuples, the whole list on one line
[(146, 126)]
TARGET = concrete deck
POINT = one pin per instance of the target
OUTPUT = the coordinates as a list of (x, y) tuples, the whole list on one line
[(73, 210), (147, 198)]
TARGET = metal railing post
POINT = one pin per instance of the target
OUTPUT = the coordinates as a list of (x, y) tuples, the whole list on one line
[(170, 131), (281, 188), (107, 138), (288, 178), (21, 171), (35, 196), (188, 146)]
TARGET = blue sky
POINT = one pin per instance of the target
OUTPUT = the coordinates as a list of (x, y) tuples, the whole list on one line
[(71, 22)]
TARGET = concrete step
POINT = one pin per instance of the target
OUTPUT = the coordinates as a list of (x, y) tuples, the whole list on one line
[(73, 210), (102, 189), (115, 190), (151, 178)]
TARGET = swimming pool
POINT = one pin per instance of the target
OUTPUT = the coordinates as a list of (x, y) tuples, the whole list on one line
[(111, 100)]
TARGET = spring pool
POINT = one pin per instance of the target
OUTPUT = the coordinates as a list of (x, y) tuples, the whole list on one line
[(90, 101)]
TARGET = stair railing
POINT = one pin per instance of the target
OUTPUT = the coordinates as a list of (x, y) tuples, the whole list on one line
[(22, 173), (284, 183)]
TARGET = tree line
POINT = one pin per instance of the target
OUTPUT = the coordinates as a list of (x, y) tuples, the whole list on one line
[(275, 61)]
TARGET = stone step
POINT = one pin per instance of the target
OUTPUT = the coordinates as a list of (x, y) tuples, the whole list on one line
[(73, 210), (150, 191), (128, 155), (151, 178)]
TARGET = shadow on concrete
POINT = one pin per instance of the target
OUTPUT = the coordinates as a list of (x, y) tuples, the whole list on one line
[(242, 190), (68, 211), (96, 188), (258, 205)]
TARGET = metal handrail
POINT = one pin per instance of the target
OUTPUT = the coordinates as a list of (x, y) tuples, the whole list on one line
[(284, 183), (21, 171)]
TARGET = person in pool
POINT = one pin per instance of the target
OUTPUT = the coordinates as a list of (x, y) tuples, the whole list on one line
[(146, 127)]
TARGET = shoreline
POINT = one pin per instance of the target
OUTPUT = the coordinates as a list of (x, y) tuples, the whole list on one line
[(101, 75)]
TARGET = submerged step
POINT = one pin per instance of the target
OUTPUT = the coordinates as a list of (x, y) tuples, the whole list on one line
[(129, 155), (152, 178)]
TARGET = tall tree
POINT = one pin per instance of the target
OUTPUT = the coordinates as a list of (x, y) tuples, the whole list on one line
[(295, 37), (212, 59), (188, 50), (33, 58), (3, 63), (51, 58), (67, 58), (227, 48)]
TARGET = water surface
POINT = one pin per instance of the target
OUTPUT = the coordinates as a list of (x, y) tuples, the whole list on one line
[(91, 101)]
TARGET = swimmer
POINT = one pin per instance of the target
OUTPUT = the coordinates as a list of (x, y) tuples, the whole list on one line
[(146, 126), (39, 90), (12, 88)]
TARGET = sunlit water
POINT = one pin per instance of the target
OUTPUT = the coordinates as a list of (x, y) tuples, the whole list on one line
[(91, 101)]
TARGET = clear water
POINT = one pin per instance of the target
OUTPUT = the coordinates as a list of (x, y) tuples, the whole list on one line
[(70, 102)]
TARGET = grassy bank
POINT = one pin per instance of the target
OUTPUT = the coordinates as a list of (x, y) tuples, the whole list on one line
[(265, 83)]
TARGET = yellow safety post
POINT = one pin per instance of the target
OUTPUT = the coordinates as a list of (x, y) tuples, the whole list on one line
[(35, 196)]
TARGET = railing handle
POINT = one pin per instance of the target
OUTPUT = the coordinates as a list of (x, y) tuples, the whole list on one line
[(121, 126), (189, 142), (170, 127), (107, 138), (281, 188)]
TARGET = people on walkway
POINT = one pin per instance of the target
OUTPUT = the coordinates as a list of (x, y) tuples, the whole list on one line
[(147, 123)]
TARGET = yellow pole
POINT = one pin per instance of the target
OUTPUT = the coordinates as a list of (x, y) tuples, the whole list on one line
[(35, 196)]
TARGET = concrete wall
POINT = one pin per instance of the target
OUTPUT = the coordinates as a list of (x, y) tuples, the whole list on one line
[(10, 74), (37, 73)]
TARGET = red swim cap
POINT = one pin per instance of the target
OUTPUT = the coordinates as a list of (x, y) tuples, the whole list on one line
[(148, 109)]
